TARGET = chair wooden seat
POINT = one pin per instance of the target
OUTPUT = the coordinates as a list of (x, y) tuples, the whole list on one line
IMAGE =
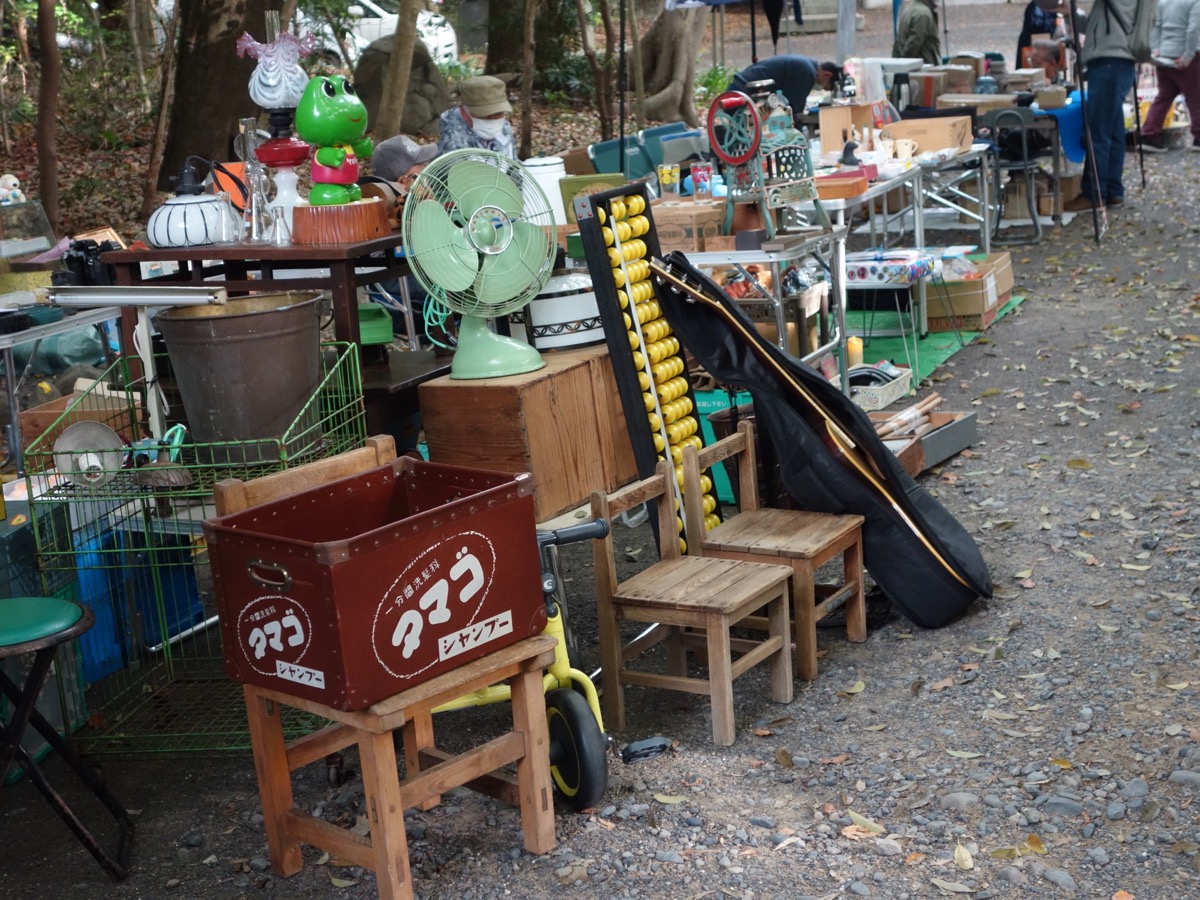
[(802, 540), (691, 602), (429, 771)]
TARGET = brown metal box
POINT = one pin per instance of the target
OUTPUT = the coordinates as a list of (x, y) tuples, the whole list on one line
[(357, 589)]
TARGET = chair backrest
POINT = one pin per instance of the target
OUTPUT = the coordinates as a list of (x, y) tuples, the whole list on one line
[(740, 444), (651, 139), (1009, 128), (660, 487), (606, 157), (234, 495)]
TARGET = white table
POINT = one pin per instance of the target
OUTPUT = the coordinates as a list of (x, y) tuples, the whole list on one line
[(35, 335)]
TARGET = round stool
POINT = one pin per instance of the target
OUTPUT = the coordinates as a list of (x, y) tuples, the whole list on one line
[(39, 625)]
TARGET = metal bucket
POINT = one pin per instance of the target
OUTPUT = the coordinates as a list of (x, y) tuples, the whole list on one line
[(246, 370)]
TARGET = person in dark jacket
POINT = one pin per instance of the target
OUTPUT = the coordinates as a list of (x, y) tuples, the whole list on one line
[(793, 74), (1039, 20), (917, 32)]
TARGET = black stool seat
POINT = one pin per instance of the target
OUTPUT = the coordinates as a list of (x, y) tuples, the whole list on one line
[(39, 625)]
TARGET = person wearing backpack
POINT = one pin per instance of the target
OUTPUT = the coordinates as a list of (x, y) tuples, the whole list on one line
[(1174, 42), (1117, 38)]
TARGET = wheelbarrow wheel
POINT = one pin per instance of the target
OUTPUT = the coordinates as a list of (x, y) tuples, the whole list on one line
[(577, 749)]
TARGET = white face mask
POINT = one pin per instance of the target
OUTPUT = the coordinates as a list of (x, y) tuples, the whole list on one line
[(488, 129)]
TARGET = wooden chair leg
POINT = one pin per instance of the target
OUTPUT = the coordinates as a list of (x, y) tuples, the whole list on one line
[(417, 734), (804, 619), (677, 661), (533, 769), (274, 780), (856, 606), (609, 635), (385, 809), (781, 662), (720, 680)]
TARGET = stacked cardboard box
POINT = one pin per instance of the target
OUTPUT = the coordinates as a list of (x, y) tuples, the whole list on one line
[(972, 305), (981, 102), (926, 86), (960, 79), (686, 224)]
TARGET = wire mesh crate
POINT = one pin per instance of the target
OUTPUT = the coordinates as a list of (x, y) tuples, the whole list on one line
[(124, 531)]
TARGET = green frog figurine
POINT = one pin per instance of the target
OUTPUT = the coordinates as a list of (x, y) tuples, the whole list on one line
[(332, 118)]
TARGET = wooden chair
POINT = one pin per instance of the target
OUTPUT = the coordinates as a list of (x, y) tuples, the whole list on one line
[(689, 601), (429, 772), (805, 541)]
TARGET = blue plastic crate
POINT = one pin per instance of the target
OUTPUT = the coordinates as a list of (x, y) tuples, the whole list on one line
[(160, 583)]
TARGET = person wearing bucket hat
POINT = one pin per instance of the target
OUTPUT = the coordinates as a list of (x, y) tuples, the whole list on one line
[(481, 118)]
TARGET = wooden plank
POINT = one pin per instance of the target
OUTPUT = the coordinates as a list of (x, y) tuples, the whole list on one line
[(318, 745), (274, 780), (498, 784), (616, 448), (462, 768), (339, 842), (385, 811), (544, 422)]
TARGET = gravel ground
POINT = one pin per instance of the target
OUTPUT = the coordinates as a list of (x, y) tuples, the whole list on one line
[(1046, 744)]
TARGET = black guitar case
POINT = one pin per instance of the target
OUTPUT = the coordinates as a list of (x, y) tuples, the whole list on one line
[(917, 552)]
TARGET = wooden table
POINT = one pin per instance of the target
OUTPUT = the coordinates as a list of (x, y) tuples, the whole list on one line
[(390, 378), (338, 268)]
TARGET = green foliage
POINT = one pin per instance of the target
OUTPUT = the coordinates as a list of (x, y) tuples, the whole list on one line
[(454, 72), (571, 78), (711, 83)]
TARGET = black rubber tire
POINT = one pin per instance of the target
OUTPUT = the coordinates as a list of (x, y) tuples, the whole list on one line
[(577, 749)]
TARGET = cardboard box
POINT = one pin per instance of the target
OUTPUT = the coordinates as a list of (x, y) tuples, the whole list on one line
[(577, 162), (977, 59), (554, 423), (972, 305), (582, 185), (838, 124), (1053, 96), (1046, 206), (981, 102), (1025, 79), (960, 79), (839, 186), (1071, 186), (933, 134), (686, 224), (43, 421), (926, 86)]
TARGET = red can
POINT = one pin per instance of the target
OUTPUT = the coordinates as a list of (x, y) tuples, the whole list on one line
[(360, 588)]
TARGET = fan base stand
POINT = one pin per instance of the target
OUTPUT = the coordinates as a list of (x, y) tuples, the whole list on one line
[(482, 354)]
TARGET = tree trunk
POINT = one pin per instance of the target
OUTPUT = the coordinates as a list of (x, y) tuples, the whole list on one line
[(48, 90), (673, 43), (211, 81), (602, 69), (166, 96), (20, 27), (135, 41), (395, 84), (639, 73), (528, 66)]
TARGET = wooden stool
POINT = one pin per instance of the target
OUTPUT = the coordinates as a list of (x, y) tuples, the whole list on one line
[(691, 601), (803, 540), (429, 772)]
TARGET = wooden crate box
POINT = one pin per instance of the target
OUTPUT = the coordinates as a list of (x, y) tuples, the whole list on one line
[(563, 424)]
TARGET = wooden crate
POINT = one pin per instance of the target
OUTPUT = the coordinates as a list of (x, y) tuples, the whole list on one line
[(563, 424)]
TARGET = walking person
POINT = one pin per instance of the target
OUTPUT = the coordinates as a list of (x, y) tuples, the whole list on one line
[(1174, 41), (1117, 37), (917, 32)]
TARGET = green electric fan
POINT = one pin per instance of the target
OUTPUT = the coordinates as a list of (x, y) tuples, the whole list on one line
[(479, 234)]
